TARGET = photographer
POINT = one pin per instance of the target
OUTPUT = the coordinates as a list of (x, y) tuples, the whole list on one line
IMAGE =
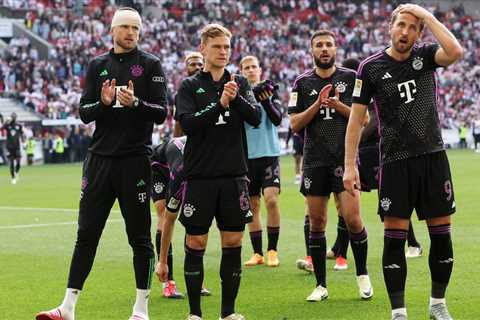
[(263, 163)]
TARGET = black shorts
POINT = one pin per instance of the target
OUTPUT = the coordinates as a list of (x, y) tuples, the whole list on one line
[(226, 199), (160, 184), (423, 183), (263, 173), (297, 145), (368, 167), (14, 153), (322, 181)]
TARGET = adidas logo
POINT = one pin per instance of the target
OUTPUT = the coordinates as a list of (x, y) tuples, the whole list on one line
[(313, 93), (386, 76), (249, 214), (104, 73), (276, 180), (141, 183), (392, 266), (200, 90)]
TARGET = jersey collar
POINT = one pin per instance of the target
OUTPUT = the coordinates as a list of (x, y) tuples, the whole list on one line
[(125, 55)]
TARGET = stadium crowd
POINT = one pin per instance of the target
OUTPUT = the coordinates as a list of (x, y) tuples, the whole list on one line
[(278, 33)]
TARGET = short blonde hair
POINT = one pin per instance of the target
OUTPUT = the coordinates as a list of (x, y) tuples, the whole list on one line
[(192, 55), (213, 30), (248, 58)]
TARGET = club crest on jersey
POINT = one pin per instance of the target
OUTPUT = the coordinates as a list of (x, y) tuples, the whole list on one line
[(417, 63), (307, 182), (158, 187), (136, 70), (385, 204), (341, 87), (188, 210)]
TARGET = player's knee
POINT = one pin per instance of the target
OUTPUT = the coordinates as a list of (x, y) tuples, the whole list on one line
[(88, 237), (271, 203), (354, 223), (318, 222), (141, 246), (231, 239), (196, 242), (232, 242), (439, 221)]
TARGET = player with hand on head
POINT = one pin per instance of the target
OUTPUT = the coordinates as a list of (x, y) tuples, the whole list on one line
[(415, 172)]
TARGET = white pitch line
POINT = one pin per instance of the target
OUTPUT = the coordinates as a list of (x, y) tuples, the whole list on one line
[(38, 225), (3, 208)]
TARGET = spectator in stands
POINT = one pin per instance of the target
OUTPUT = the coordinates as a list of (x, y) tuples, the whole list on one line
[(273, 31)]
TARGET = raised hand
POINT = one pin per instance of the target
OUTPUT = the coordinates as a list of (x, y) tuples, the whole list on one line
[(264, 95), (332, 102), (323, 95), (126, 96), (230, 90), (107, 94), (418, 11)]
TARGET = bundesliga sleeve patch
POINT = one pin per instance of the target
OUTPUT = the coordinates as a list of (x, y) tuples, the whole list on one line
[(358, 88), (293, 99)]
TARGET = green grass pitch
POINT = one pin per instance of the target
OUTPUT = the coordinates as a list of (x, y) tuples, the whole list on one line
[(36, 244)]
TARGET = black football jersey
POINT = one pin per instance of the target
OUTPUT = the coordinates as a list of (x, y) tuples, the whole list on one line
[(404, 97), (14, 134), (324, 143)]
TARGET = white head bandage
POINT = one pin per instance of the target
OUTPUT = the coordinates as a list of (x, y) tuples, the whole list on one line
[(129, 17)]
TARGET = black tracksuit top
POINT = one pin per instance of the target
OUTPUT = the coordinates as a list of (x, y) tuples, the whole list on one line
[(124, 131), (216, 142)]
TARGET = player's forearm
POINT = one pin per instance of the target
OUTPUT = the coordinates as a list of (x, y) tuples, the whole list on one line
[(167, 232), (91, 111), (154, 111), (445, 38), (301, 120), (273, 111), (352, 137), (193, 123), (249, 112), (343, 110)]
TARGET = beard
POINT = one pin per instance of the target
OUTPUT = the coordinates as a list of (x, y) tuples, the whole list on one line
[(324, 65), (194, 71), (397, 45)]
